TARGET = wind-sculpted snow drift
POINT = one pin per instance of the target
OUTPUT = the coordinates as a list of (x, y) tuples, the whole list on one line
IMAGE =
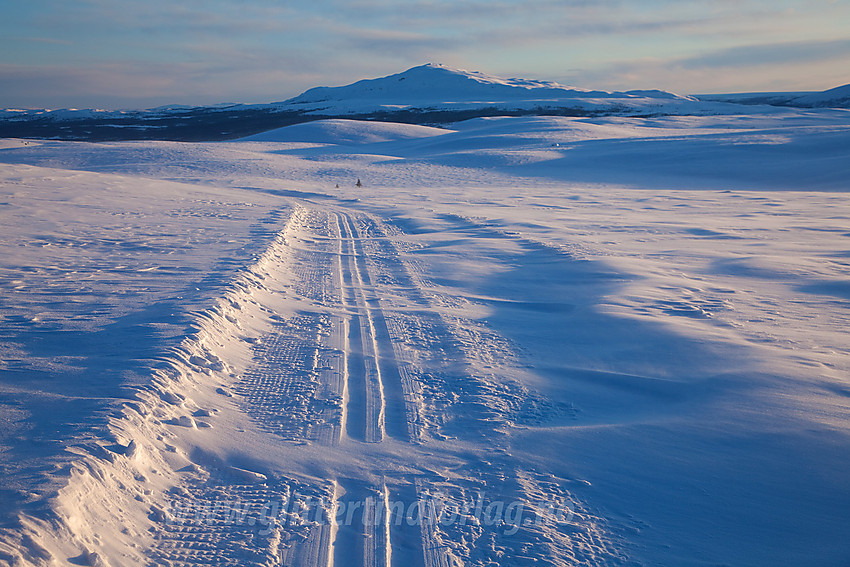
[(344, 373), (499, 349)]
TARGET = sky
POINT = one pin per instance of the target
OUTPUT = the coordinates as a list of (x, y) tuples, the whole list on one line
[(140, 54)]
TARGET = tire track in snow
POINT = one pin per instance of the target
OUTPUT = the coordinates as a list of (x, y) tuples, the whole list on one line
[(374, 403), (363, 526), (393, 419), (365, 392), (342, 339), (221, 515)]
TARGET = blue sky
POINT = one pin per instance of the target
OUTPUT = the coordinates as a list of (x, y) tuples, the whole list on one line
[(133, 54)]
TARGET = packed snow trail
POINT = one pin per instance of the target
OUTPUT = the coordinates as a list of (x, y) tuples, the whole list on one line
[(384, 394), (343, 372), (597, 314)]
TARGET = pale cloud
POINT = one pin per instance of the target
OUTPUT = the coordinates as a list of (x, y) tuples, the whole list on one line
[(50, 40), (771, 54), (141, 85), (252, 50), (775, 67)]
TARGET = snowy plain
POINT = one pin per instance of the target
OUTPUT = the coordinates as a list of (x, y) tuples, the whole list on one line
[(632, 330)]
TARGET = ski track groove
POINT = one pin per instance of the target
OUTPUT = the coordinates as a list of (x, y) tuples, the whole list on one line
[(343, 371)]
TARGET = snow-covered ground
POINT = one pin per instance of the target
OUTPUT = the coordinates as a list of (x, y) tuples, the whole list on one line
[(592, 341)]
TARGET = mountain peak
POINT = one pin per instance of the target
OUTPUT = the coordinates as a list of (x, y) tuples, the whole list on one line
[(432, 93), (436, 85), (437, 81), (485, 78), (836, 97)]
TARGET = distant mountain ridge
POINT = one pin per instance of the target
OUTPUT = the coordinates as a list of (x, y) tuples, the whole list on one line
[(426, 94), (438, 83), (838, 97)]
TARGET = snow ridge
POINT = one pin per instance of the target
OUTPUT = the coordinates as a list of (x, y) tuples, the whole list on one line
[(436, 81), (838, 97), (436, 86)]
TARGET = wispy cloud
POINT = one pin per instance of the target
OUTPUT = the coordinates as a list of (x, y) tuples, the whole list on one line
[(784, 66), (51, 40), (771, 54), (137, 85), (203, 50)]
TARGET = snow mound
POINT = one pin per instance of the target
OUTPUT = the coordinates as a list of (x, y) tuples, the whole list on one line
[(346, 132), (440, 83), (839, 97)]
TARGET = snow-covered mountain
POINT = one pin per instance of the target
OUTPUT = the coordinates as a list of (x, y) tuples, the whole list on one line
[(839, 97), (438, 86), (427, 94)]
